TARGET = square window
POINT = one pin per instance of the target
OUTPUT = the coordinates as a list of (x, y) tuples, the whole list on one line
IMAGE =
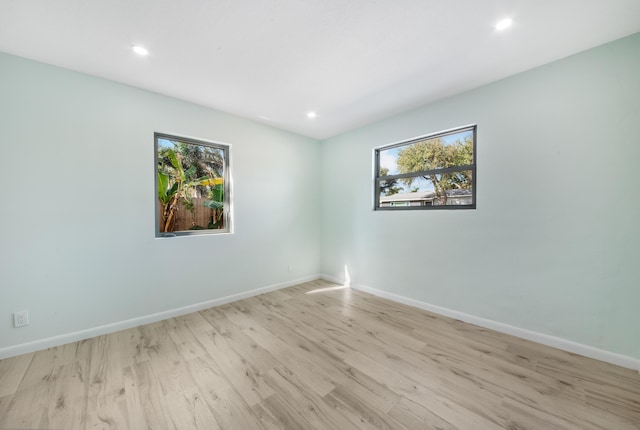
[(192, 186)]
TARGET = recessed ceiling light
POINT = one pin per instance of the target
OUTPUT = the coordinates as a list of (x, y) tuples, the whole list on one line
[(505, 23), (140, 50), (311, 115)]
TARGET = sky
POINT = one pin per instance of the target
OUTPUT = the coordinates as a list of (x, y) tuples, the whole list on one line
[(164, 143)]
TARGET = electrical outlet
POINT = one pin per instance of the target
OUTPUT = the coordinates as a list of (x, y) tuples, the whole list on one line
[(20, 318)]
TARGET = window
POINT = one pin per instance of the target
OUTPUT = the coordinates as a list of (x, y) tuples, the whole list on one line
[(192, 186), (437, 171)]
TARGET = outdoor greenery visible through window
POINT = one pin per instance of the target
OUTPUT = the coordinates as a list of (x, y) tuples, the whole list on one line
[(433, 172), (192, 183)]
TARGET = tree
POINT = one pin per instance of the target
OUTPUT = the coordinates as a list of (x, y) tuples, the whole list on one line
[(202, 161), (390, 187), (433, 154)]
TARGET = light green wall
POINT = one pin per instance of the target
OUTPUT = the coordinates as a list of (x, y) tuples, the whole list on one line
[(551, 248), (77, 246), (553, 244)]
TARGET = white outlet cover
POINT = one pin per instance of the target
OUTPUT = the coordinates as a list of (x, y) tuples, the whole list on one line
[(21, 319)]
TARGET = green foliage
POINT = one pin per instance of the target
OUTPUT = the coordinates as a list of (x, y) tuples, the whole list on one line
[(434, 154), (176, 164), (165, 191), (216, 203), (213, 204), (216, 194), (184, 172), (389, 187), (188, 174), (203, 161), (188, 204)]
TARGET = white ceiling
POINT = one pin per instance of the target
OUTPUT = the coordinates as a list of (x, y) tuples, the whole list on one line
[(351, 61)]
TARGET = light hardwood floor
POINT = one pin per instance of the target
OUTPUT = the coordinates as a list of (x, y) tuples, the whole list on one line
[(314, 357)]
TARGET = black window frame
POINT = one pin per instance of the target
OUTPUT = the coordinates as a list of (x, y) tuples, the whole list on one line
[(467, 167), (227, 204)]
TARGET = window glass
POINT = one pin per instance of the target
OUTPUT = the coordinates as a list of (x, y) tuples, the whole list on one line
[(436, 171), (192, 186)]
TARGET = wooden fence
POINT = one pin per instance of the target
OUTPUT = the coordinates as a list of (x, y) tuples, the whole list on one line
[(185, 219)]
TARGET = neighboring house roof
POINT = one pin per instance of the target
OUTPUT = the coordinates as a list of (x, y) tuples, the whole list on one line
[(459, 193), (423, 195), (401, 197)]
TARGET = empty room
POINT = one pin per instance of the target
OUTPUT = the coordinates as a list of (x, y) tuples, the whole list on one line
[(320, 214)]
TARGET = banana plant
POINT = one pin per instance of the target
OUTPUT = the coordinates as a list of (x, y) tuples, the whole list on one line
[(172, 188), (216, 203), (166, 191), (169, 189)]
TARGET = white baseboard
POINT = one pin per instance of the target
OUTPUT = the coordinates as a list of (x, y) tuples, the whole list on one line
[(545, 339), (37, 345)]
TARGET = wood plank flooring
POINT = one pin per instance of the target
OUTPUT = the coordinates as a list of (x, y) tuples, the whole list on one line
[(314, 356)]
